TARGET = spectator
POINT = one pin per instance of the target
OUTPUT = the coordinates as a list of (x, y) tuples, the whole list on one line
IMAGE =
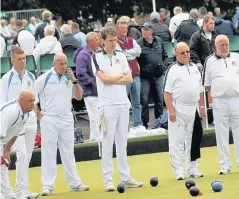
[(175, 21), (202, 42), (218, 14), (5, 33), (152, 68), (12, 27), (48, 44), (87, 81), (26, 25), (164, 16), (3, 46), (24, 38), (202, 14), (68, 41), (224, 27), (160, 30), (78, 34), (235, 19), (134, 29), (100, 38), (132, 51), (33, 25), (69, 22), (187, 28), (210, 13), (46, 17)]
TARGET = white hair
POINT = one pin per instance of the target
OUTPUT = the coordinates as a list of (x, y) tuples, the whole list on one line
[(90, 36), (66, 29), (49, 30)]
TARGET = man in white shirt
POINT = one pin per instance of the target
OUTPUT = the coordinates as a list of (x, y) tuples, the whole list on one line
[(221, 78), (24, 38), (13, 116), (33, 25), (112, 74), (56, 88), (3, 46), (11, 84), (175, 21), (183, 93)]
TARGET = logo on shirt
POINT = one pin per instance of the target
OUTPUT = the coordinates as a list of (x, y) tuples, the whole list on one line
[(117, 61), (67, 83), (233, 63), (28, 84)]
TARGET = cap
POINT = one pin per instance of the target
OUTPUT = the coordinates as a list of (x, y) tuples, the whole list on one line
[(193, 13), (162, 10), (147, 25), (154, 16)]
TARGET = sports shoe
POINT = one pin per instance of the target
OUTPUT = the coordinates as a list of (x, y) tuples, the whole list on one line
[(46, 192), (196, 174), (131, 183), (81, 187), (109, 186), (179, 176), (224, 171), (27, 194)]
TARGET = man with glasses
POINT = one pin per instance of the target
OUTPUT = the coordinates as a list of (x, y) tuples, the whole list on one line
[(112, 75), (183, 93)]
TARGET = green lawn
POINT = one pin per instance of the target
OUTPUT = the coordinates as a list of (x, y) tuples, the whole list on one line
[(142, 168)]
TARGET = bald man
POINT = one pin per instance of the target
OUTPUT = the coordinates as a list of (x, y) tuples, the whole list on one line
[(13, 116), (183, 93), (55, 89), (221, 79)]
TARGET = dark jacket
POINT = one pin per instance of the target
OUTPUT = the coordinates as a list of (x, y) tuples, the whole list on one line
[(134, 32), (40, 31), (84, 71), (69, 42), (166, 21), (224, 27), (152, 58), (185, 30), (161, 31), (201, 47)]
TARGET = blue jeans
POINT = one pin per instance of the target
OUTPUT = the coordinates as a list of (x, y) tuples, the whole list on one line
[(156, 84), (134, 91)]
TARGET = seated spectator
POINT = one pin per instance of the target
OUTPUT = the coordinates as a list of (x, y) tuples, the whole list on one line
[(187, 27), (33, 25), (46, 17), (68, 41), (48, 44), (26, 25), (24, 38), (3, 46), (5, 33), (12, 27), (225, 27), (78, 34), (160, 30)]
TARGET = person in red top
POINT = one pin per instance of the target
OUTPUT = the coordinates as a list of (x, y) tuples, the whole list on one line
[(132, 51)]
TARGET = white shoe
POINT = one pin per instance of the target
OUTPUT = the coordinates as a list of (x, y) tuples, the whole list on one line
[(27, 194), (109, 186), (131, 183), (224, 171), (179, 176), (46, 192), (196, 174), (81, 187)]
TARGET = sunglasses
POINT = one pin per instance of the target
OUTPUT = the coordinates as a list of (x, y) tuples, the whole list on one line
[(184, 52)]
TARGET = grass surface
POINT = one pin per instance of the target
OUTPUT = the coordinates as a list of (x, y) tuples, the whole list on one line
[(142, 168)]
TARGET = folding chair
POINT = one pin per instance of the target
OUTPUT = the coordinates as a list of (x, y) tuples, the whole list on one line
[(234, 43), (46, 62), (70, 63), (5, 65), (168, 46), (31, 64)]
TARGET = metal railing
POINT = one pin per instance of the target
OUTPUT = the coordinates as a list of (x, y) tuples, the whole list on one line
[(24, 14)]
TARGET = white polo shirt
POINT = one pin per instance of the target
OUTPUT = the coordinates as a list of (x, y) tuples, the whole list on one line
[(109, 94), (184, 82), (176, 20), (55, 94), (12, 121), (26, 41), (222, 75), (11, 85)]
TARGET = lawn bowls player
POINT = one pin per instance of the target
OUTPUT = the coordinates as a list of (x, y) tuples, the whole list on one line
[(56, 88), (183, 93), (13, 115), (11, 84), (221, 78), (112, 74)]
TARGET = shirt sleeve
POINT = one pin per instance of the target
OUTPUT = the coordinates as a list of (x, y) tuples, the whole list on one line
[(39, 85), (169, 81), (125, 64), (6, 121), (206, 81), (3, 89)]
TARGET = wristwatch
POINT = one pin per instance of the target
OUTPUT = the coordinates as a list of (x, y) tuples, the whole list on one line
[(75, 82)]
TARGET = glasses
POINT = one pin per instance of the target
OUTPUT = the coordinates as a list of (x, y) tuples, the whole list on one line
[(184, 52)]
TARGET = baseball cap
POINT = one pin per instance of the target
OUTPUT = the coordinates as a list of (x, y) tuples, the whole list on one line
[(194, 13), (154, 16), (147, 25), (162, 10)]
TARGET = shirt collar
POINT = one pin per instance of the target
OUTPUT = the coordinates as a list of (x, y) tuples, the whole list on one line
[(105, 53), (219, 57), (53, 71), (180, 64)]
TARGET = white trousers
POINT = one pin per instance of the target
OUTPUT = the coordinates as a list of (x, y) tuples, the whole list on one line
[(180, 139), (92, 107), (226, 114), (24, 146), (6, 189), (116, 119), (57, 131)]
